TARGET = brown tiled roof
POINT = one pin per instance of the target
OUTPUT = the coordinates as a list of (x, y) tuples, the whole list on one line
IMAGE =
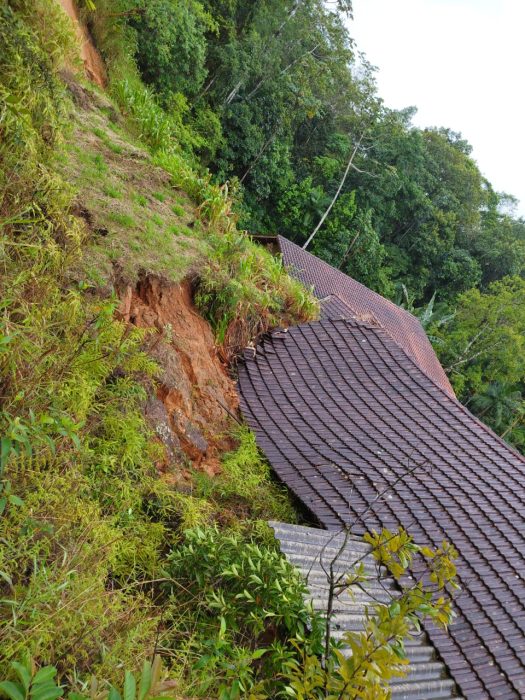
[(337, 291), (341, 411)]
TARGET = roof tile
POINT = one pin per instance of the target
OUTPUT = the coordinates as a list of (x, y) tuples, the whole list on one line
[(342, 296)]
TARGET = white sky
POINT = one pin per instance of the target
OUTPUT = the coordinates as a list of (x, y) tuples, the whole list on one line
[(462, 64)]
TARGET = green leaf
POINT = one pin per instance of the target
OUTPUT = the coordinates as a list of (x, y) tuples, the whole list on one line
[(3, 503), (394, 609), (6, 578), (258, 653), (23, 673), (14, 691), (129, 686), (15, 500), (44, 675), (113, 694), (46, 691), (145, 680), (5, 450), (222, 630)]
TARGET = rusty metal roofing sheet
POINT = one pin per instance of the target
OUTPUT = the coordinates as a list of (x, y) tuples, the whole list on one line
[(311, 551), (341, 411), (338, 292)]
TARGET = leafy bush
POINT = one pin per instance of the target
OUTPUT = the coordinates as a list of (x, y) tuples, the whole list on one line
[(244, 291), (247, 605), (171, 45)]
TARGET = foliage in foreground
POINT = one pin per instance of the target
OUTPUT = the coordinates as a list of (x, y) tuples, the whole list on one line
[(378, 652), (238, 625), (248, 605), (41, 684), (85, 520)]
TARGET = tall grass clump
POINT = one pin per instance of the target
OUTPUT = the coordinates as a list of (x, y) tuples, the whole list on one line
[(245, 484), (244, 291)]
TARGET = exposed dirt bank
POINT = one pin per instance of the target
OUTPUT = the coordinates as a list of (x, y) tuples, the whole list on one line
[(93, 63), (191, 412)]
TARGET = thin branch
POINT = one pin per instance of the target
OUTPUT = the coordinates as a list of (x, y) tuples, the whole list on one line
[(336, 195)]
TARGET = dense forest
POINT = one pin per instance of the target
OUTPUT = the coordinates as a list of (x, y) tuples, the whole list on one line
[(135, 555), (276, 99)]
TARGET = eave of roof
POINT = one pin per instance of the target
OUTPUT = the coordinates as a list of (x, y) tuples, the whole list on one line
[(341, 411)]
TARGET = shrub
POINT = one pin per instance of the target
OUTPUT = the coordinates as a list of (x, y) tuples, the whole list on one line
[(247, 604), (244, 291), (171, 46)]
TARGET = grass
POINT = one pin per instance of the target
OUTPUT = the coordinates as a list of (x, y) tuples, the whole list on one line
[(246, 483), (141, 200), (103, 136), (111, 191), (99, 164), (121, 195), (244, 291), (124, 220)]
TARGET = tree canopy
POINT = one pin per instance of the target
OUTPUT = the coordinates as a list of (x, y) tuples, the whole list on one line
[(281, 98)]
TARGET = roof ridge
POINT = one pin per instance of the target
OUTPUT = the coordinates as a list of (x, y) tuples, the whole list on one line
[(370, 291), (333, 285)]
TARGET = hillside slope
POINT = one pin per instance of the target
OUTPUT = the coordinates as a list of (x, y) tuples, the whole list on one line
[(118, 413)]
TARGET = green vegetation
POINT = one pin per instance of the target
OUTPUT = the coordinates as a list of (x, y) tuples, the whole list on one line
[(247, 604), (41, 684), (482, 347), (245, 483), (223, 113), (86, 522), (243, 291), (275, 97)]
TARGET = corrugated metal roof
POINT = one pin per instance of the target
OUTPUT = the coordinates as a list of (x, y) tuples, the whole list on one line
[(340, 293), (311, 551), (341, 411)]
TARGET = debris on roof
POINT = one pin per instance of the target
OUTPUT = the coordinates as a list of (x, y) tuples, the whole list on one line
[(343, 297), (311, 550)]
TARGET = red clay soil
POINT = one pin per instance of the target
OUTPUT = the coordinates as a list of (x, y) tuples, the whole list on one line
[(93, 63), (195, 399)]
